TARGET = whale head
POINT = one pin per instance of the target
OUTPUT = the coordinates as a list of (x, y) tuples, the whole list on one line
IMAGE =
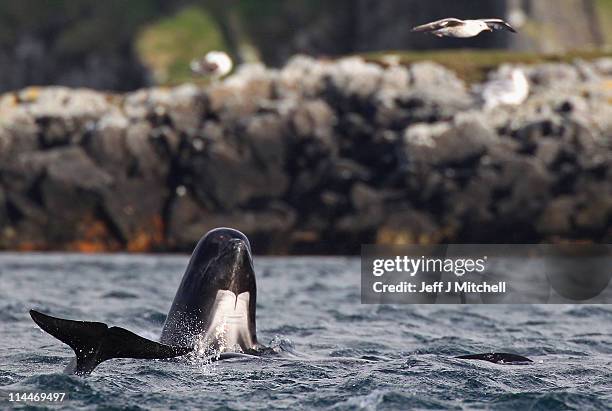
[(214, 307), (222, 259)]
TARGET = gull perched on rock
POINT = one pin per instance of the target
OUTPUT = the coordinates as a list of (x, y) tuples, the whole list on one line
[(214, 64), (452, 27), (511, 90)]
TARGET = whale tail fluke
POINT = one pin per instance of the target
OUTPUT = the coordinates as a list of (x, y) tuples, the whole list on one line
[(498, 358), (95, 342)]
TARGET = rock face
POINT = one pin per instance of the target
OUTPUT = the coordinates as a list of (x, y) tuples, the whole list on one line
[(319, 156)]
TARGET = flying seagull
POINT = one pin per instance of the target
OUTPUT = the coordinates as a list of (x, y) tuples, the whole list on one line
[(463, 28), (215, 64)]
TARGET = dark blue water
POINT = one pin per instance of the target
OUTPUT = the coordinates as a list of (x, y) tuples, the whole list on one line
[(315, 304)]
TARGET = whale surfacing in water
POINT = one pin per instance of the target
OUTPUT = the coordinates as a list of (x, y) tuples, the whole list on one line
[(213, 313), (214, 306), (95, 342), (498, 358)]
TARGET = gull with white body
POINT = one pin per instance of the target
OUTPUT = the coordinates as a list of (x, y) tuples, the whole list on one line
[(510, 89), (215, 64), (452, 27)]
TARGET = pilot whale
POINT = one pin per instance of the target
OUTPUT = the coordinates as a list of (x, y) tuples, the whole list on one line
[(214, 307), (213, 313)]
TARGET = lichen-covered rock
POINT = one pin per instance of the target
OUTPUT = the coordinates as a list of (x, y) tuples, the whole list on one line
[(427, 75), (318, 156), (189, 219), (554, 75), (447, 144), (132, 209), (18, 134)]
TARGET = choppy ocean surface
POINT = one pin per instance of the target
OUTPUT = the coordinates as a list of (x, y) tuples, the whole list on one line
[(315, 304)]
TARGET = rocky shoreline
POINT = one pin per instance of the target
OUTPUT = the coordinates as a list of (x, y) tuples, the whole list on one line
[(316, 157)]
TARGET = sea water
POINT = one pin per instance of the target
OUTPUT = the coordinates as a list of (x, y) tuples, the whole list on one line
[(313, 305)]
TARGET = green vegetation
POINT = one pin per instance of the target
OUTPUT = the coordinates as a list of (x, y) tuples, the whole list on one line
[(473, 65), (168, 45), (604, 11), (168, 34)]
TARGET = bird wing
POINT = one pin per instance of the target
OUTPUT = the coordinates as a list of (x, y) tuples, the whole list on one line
[(439, 24), (499, 24)]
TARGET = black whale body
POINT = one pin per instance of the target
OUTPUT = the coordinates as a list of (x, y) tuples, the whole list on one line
[(213, 311)]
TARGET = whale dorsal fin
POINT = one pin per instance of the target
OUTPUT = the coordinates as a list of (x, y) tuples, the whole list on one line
[(95, 342), (497, 358)]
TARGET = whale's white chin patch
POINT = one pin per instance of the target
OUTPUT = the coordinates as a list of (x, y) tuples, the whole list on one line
[(229, 327)]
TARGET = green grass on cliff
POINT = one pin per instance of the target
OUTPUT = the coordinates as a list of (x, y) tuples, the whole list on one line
[(473, 65), (604, 11), (168, 45)]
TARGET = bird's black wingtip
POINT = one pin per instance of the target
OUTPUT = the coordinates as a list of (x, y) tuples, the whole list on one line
[(509, 27)]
